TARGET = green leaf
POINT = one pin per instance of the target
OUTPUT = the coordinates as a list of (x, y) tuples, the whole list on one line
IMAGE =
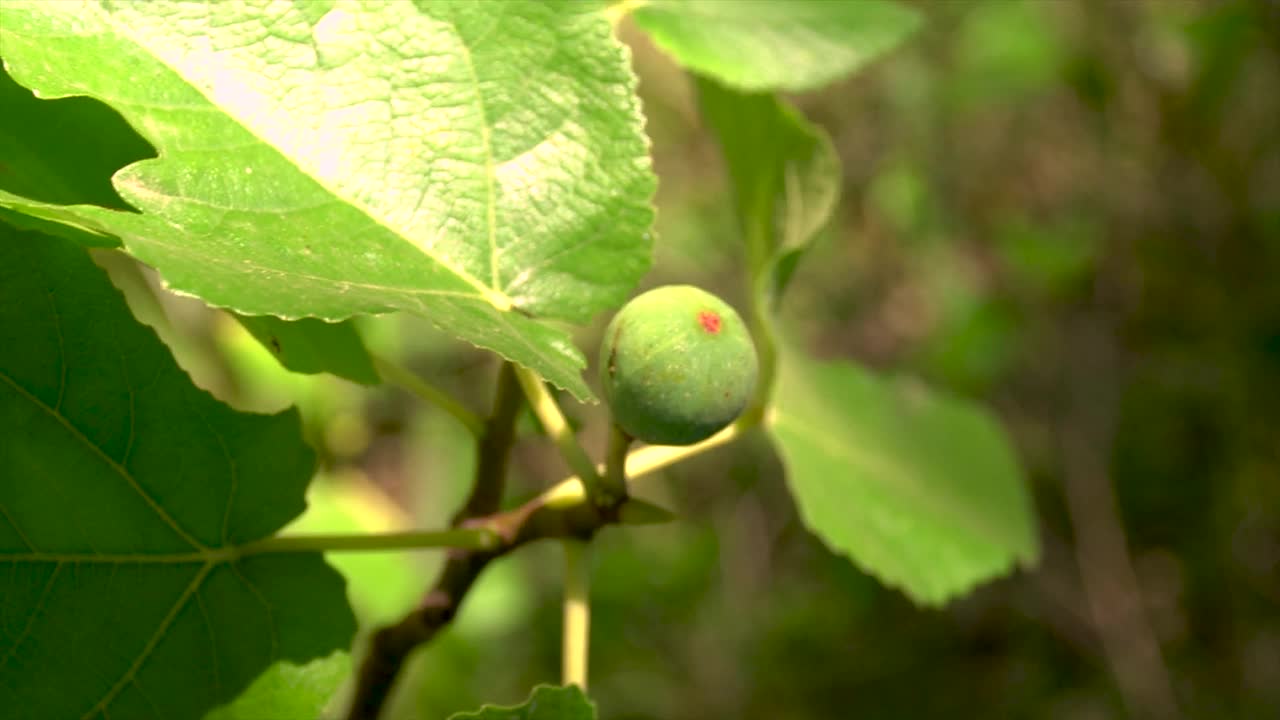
[(63, 151), (763, 45), (322, 160), (57, 220), (314, 346), (287, 691), (784, 172), (382, 587), (126, 494), (920, 489), (546, 703)]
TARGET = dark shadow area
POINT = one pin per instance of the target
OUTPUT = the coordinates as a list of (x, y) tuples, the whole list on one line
[(63, 151)]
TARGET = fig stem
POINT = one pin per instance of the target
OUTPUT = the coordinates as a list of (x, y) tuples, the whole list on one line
[(576, 638), (615, 464), (544, 406), (764, 335), (397, 375), (651, 458)]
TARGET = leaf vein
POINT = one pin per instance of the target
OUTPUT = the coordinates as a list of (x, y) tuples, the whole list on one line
[(110, 461), (152, 643), (31, 619), (885, 471), (490, 175), (213, 645), (271, 615), (62, 354), (489, 293), (14, 523)]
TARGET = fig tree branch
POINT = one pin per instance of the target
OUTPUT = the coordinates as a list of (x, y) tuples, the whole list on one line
[(561, 512), (553, 421), (390, 646), (493, 449)]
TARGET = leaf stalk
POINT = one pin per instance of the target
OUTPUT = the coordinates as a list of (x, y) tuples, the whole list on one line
[(576, 637), (557, 427), (393, 373), (467, 538)]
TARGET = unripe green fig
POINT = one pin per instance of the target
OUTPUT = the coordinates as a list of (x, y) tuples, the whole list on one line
[(677, 365)]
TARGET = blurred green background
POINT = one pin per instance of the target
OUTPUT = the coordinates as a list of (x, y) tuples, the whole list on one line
[(1067, 210)]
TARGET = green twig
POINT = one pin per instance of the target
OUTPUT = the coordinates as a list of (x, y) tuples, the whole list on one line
[(576, 633), (468, 538), (615, 464), (652, 458), (765, 337), (557, 427), (390, 645), (619, 10), (393, 373)]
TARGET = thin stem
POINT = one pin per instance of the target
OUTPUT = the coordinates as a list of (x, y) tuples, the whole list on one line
[(557, 427), (394, 373), (576, 638), (467, 538), (762, 246), (619, 10), (655, 457), (765, 338), (615, 465), (651, 458), (391, 645)]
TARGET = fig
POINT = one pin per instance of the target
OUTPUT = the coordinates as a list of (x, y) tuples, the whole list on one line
[(677, 365)]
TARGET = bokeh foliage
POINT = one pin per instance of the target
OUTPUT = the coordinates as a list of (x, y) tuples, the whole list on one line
[(1064, 209), (1068, 210)]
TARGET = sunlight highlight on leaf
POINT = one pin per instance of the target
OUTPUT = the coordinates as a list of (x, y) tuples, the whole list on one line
[(378, 157)]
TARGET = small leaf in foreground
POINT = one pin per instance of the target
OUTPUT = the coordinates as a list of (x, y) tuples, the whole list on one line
[(58, 220), (546, 703), (763, 45), (382, 587), (919, 489), (63, 151), (125, 493), (784, 172), (288, 691), (312, 346)]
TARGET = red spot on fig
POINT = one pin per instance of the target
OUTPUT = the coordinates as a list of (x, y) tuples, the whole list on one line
[(710, 321)]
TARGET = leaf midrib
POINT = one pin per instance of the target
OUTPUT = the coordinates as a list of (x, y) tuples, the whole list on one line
[(152, 642), (490, 179), (839, 447), (490, 294)]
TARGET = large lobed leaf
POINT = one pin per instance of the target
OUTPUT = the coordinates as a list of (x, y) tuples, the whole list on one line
[(481, 164), (63, 152), (764, 45), (125, 493), (920, 489)]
